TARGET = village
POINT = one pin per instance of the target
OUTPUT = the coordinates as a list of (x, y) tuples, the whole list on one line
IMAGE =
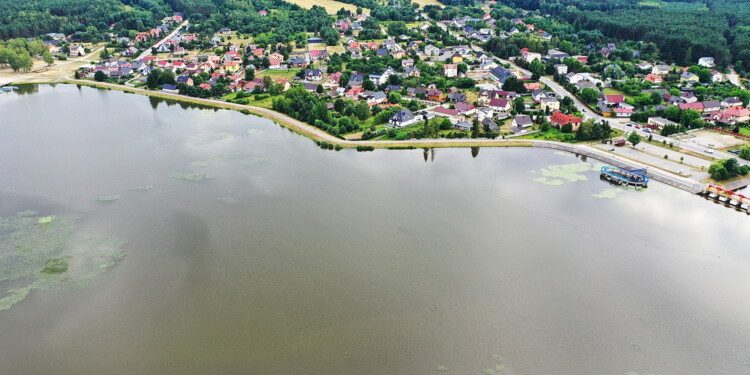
[(459, 78)]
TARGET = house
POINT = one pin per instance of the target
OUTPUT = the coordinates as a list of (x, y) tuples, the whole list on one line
[(435, 95), (531, 56), (376, 97), (613, 100), (739, 114), (77, 50), (489, 124), (466, 109), (333, 79), (318, 54), (538, 95), (717, 77), (500, 74), (711, 106), (731, 102), (413, 72), (311, 87), (407, 64), (659, 122), (623, 112), (392, 88), (402, 118), (431, 50), (450, 70), (262, 13), (356, 80), (501, 105), (557, 54), (706, 62), (456, 97), (298, 62), (550, 104), (660, 70), (559, 119), (274, 63), (689, 77), (445, 112), (644, 66), (163, 48), (688, 97), (313, 75), (463, 126), (561, 69), (224, 30), (169, 88), (522, 121), (484, 112), (654, 78), (184, 79)]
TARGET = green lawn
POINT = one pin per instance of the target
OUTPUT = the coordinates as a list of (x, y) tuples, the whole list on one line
[(611, 91), (745, 131), (279, 74)]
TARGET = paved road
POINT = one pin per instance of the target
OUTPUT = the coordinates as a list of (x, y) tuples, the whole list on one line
[(734, 78), (175, 31)]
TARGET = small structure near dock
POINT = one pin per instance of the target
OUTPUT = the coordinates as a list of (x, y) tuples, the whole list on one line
[(727, 197), (623, 176)]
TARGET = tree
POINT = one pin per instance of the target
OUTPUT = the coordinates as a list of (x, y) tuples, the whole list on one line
[(362, 111), (152, 81), (475, 128), (249, 74), (519, 105), (589, 95), (368, 85), (394, 97), (100, 76), (513, 84), (104, 54), (47, 57), (319, 89), (745, 152), (634, 138)]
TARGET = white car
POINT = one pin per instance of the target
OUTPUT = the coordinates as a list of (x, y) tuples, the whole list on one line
[(708, 151)]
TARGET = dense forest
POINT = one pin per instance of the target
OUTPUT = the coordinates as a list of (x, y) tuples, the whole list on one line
[(682, 30)]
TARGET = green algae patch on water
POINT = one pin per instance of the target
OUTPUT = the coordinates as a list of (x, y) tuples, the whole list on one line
[(193, 176), (558, 174), (609, 193), (142, 188), (232, 155), (108, 198), (49, 256), (442, 368), (45, 220), (254, 131), (212, 139), (199, 163)]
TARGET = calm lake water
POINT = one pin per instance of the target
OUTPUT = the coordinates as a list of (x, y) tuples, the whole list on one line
[(297, 260)]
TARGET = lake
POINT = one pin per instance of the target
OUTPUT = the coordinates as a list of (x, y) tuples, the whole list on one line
[(204, 241)]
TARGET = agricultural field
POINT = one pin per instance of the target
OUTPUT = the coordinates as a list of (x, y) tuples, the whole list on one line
[(331, 6)]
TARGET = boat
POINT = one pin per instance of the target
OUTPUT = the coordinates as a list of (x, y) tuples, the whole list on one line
[(624, 176)]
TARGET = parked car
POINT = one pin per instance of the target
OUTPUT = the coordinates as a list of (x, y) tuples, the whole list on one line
[(647, 130), (708, 151)]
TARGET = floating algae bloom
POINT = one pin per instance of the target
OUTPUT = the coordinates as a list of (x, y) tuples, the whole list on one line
[(193, 176), (609, 193), (142, 188), (253, 131), (253, 161), (442, 368), (233, 155), (47, 254), (212, 139), (108, 198), (556, 175), (199, 163)]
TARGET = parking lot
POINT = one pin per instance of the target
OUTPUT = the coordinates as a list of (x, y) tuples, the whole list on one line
[(711, 139)]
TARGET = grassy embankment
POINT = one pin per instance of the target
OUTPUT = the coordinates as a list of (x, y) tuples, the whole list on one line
[(305, 129)]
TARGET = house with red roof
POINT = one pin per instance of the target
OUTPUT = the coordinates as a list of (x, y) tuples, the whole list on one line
[(739, 114), (614, 99), (623, 112), (654, 78), (696, 106), (559, 119), (502, 105), (263, 13)]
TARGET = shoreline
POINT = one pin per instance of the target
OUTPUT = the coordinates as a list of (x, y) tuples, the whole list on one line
[(318, 135)]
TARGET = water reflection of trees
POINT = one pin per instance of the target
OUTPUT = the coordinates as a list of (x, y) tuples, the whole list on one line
[(155, 101)]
